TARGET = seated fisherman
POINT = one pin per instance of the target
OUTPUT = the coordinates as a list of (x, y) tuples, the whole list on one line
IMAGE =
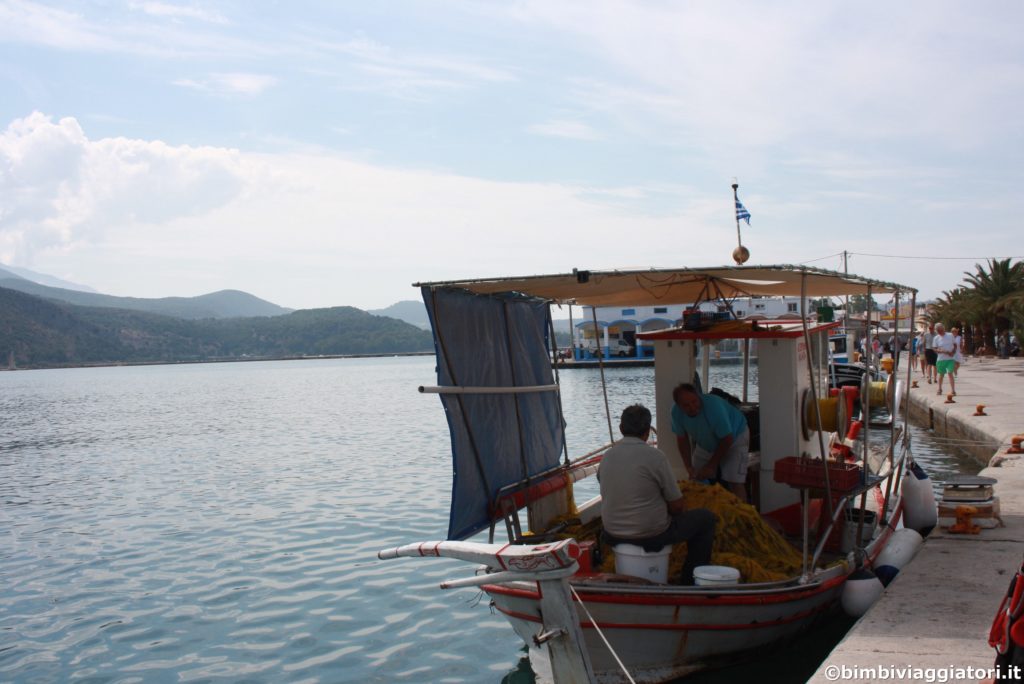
[(640, 501), (719, 435)]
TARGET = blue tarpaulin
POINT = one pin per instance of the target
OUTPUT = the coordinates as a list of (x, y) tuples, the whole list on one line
[(493, 341)]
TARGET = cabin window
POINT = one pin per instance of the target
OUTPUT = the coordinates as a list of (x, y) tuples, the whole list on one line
[(791, 307), (741, 314), (759, 307), (661, 309), (629, 312)]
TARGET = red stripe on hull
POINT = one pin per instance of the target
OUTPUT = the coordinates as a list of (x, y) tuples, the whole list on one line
[(680, 627), (590, 595)]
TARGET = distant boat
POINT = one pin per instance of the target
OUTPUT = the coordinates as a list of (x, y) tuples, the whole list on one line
[(843, 370)]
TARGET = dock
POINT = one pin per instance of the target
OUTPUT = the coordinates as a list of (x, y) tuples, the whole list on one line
[(932, 622)]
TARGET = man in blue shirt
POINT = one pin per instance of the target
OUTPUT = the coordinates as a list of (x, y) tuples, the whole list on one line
[(712, 436)]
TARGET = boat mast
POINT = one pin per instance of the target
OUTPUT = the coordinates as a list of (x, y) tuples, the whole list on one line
[(604, 385), (740, 256)]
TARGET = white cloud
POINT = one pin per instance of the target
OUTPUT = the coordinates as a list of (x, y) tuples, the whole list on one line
[(760, 75), (61, 188), (230, 83), (32, 22), (401, 73), (143, 218), (564, 128), (373, 54), (164, 9), (149, 35)]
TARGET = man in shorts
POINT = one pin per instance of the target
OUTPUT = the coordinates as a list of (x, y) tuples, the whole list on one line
[(930, 357), (713, 438), (945, 363)]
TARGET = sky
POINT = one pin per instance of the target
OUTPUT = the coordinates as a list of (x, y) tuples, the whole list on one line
[(333, 153)]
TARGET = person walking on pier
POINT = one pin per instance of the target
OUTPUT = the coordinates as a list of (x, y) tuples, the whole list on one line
[(930, 357), (958, 356), (945, 349), (921, 336)]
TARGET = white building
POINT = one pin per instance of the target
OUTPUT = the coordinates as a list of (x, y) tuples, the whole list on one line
[(615, 333)]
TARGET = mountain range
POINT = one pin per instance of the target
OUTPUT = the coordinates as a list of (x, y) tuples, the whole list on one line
[(47, 326), (41, 278), (222, 304), (409, 310)]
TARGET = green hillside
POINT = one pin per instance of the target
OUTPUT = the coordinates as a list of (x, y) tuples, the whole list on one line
[(44, 333), (410, 311), (223, 304)]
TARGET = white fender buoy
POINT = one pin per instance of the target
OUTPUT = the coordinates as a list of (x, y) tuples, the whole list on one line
[(900, 550), (919, 510), (861, 590)]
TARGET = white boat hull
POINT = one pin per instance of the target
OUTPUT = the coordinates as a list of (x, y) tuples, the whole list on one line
[(662, 636), (662, 632)]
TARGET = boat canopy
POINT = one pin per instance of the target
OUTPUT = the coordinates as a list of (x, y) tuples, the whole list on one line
[(737, 330), (499, 395), (645, 287), (494, 366)]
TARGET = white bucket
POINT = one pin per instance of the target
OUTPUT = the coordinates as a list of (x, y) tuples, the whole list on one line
[(631, 559), (712, 575)]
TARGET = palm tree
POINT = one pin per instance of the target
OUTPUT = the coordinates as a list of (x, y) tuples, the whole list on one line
[(992, 291), (958, 308)]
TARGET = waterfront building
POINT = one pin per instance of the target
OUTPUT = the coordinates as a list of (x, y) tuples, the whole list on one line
[(614, 335)]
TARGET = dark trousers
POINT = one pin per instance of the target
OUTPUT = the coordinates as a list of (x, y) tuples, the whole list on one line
[(695, 527)]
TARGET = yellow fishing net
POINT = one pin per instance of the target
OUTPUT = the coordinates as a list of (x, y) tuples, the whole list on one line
[(742, 538)]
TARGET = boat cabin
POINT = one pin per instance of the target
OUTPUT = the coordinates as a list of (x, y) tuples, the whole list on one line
[(780, 416)]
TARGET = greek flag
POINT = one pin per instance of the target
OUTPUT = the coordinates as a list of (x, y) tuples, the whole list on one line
[(741, 212)]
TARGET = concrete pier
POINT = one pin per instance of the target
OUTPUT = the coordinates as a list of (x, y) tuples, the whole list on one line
[(936, 614)]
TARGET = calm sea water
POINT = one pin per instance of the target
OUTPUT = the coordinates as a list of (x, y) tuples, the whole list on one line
[(220, 523)]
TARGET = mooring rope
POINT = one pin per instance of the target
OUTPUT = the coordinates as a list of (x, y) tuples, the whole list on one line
[(601, 634)]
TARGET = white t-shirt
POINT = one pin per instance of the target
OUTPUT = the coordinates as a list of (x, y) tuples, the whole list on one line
[(944, 345), (636, 482)]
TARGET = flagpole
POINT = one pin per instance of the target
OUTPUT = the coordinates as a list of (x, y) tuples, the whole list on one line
[(741, 253)]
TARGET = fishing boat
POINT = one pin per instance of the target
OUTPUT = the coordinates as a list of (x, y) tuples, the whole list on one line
[(822, 488)]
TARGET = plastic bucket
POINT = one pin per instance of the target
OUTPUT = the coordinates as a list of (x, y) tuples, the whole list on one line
[(852, 522), (715, 575), (651, 565)]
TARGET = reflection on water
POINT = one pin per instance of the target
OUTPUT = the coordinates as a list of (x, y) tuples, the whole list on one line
[(220, 522)]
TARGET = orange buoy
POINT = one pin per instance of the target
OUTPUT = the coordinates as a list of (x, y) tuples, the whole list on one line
[(979, 410), (949, 399)]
